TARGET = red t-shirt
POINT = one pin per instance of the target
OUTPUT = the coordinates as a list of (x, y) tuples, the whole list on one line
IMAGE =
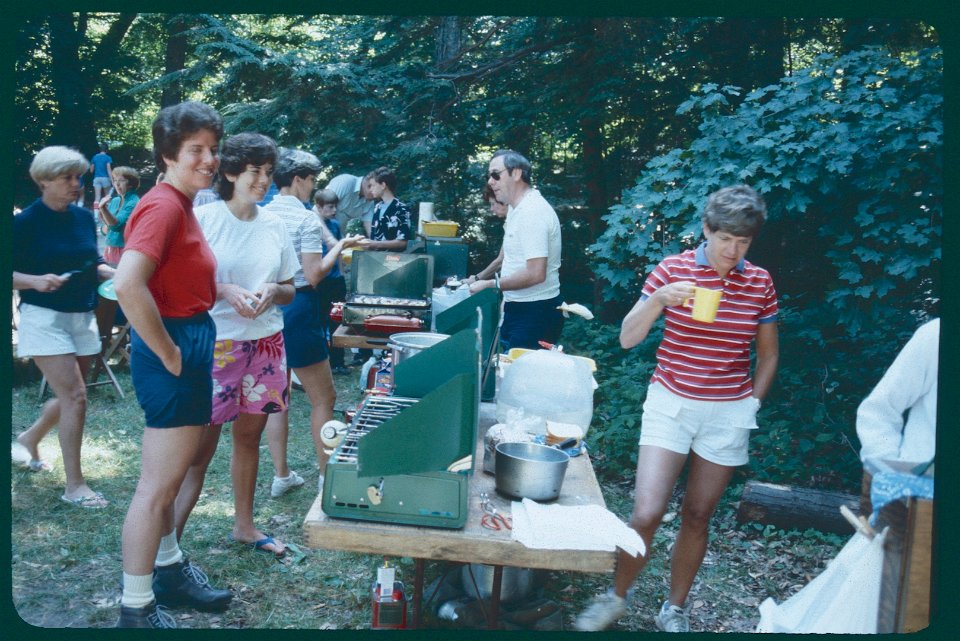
[(711, 361), (163, 228)]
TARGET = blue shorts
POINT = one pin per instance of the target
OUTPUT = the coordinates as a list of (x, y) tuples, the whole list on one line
[(304, 329), (176, 401), (525, 324)]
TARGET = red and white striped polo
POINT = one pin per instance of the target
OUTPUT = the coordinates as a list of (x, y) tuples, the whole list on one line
[(711, 361)]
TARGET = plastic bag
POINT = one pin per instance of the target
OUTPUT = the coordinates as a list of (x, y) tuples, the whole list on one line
[(843, 599), (549, 385)]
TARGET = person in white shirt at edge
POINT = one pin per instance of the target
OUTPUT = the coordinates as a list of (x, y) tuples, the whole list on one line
[(530, 276), (304, 331), (255, 267), (897, 421), (354, 201)]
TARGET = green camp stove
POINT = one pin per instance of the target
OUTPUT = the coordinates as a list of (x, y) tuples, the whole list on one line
[(408, 458)]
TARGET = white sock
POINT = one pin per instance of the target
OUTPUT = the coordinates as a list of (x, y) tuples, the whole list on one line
[(169, 551), (137, 590)]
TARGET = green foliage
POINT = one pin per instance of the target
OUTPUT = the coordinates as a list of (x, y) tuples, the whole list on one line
[(848, 155)]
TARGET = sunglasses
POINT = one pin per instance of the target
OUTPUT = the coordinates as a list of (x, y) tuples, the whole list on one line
[(495, 175)]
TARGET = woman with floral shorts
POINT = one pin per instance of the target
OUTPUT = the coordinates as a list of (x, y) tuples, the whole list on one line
[(256, 263)]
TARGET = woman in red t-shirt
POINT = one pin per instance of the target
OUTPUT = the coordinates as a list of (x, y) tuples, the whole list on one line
[(165, 285)]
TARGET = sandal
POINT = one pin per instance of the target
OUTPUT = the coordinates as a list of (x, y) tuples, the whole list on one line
[(96, 501), (264, 545), (39, 465)]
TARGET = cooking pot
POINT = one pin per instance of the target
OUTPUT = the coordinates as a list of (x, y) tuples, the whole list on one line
[(516, 583), (406, 344), (531, 470)]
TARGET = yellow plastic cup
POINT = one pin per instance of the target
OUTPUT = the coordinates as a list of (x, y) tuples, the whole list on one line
[(705, 303)]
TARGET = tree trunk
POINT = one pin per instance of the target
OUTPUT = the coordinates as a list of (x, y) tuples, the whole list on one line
[(175, 59), (448, 41), (73, 124)]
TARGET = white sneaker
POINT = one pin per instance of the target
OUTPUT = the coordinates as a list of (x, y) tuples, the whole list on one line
[(282, 485), (672, 618), (603, 611)]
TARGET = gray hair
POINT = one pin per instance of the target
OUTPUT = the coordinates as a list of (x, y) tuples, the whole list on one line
[(292, 163), (515, 160), (738, 210), (57, 160)]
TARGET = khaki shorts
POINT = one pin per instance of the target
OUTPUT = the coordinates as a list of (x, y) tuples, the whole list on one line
[(47, 332), (718, 431)]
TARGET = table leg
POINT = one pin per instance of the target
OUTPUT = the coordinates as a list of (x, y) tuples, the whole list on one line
[(418, 593), (494, 614)]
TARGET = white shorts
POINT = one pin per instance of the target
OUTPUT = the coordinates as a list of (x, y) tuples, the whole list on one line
[(47, 332), (718, 431)]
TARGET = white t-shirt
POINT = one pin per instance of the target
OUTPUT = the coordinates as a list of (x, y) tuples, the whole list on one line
[(532, 230), (249, 253), (304, 227)]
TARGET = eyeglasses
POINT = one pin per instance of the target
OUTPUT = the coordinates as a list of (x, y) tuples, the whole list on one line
[(495, 175)]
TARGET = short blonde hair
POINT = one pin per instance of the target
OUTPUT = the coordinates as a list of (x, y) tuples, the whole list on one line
[(51, 162), (131, 174)]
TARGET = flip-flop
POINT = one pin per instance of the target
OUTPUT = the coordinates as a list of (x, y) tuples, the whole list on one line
[(94, 502), (261, 546), (39, 465)]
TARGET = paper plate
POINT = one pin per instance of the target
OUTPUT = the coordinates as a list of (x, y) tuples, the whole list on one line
[(106, 290)]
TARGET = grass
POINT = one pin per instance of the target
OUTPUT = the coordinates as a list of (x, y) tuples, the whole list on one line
[(66, 561)]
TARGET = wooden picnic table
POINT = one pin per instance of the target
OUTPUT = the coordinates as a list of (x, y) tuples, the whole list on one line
[(472, 544), (346, 337)]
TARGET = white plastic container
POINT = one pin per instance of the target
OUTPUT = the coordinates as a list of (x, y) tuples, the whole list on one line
[(548, 384)]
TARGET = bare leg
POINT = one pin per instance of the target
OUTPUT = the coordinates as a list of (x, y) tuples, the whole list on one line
[(66, 376), (192, 484), (165, 457), (48, 419), (244, 463), (706, 483), (317, 381), (657, 473), (278, 429)]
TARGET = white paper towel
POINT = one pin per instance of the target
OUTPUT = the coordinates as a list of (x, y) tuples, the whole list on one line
[(563, 527)]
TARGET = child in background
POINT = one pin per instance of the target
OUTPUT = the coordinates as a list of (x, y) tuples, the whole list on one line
[(333, 288)]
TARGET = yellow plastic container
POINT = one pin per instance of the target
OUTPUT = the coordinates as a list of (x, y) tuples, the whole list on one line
[(517, 352), (442, 228)]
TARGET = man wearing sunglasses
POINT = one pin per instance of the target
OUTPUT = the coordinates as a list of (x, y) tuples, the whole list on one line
[(529, 276)]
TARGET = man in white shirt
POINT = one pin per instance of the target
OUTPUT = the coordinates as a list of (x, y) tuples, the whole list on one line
[(530, 271), (354, 200)]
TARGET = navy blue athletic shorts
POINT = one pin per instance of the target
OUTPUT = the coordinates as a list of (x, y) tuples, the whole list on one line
[(176, 401), (526, 324), (304, 329)]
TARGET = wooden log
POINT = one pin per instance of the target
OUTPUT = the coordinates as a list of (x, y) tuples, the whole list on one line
[(795, 508)]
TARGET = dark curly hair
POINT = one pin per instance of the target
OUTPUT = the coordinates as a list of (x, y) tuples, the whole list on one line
[(237, 153), (178, 122)]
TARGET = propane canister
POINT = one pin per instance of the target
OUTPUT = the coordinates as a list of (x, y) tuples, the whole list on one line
[(389, 601)]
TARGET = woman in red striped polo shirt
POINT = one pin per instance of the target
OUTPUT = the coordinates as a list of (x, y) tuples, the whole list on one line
[(702, 401)]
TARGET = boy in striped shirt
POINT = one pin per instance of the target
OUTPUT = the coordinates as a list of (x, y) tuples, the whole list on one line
[(702, 401)]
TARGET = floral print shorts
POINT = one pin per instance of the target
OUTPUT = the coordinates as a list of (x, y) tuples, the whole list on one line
[(249, 377)]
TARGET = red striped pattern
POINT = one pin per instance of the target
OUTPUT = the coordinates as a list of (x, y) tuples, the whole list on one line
[(711, 361)]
